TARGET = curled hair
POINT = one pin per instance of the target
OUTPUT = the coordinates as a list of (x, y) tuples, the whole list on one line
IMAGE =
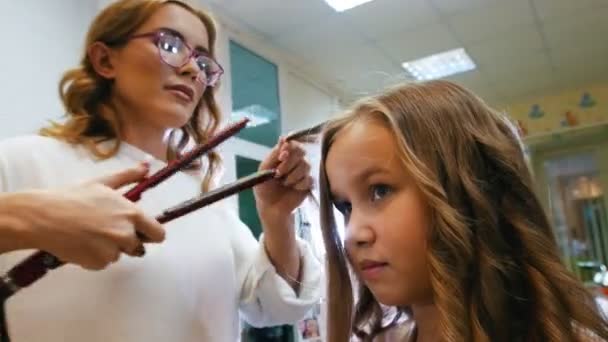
[(84, 93), (494, 265)]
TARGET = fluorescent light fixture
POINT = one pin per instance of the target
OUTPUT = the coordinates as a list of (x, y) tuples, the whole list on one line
[(258, 115), (440, 65), (343, 5)]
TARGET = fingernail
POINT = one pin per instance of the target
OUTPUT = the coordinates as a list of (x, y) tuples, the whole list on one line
[(142, 237), (145, 164), (140, 251)]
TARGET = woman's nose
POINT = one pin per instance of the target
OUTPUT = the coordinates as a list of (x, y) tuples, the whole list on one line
[(191, 69)]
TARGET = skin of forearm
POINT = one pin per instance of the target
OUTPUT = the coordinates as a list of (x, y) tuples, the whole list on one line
[(16, 220), (281, 246)]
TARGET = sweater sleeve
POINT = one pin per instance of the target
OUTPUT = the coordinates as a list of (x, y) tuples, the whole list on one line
[(266, 299)]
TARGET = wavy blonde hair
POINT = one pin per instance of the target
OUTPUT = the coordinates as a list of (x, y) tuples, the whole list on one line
[(84, 93), (495, 269)]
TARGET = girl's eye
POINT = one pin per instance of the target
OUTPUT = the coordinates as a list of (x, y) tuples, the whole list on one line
[(344, 208), (379, 191)]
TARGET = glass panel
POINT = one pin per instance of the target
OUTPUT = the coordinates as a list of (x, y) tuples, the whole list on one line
[(247, 209), (255, 94), (578, 211), (249, 215)]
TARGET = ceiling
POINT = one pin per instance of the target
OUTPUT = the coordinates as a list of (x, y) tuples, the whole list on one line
[(522, 48)]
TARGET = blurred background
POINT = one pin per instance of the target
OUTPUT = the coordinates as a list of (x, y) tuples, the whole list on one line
[(291, 64)]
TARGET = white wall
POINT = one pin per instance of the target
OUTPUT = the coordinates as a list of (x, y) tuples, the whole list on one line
[(41, 39), (305, 104)]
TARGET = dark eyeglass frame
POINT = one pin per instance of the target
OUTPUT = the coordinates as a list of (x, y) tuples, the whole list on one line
[(211, 80)]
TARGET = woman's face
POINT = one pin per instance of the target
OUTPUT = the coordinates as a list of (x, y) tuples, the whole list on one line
[(148, 90), (386, 216)]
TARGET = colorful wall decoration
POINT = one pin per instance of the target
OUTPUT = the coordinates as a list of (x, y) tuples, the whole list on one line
[(580, 107)]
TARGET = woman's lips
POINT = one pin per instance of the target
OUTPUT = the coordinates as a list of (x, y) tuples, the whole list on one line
[(182, 91)]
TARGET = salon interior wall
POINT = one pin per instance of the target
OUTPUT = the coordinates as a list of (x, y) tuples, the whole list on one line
[(577, 107), (40, 40)]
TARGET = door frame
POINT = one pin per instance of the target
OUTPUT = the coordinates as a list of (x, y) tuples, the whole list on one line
[(564, 145)]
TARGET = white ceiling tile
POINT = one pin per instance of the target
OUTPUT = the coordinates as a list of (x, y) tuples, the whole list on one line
[(483, 22), (525, 37), (343, 56), (360, 63), (276, 17), (524, 84), (472, 79), (381, 17), (359, 51), (320, 39), (548, 9), (454, 6), (592, 57), (497, 61), (574, 29), (477, 83), (418, 43), (369, 83)]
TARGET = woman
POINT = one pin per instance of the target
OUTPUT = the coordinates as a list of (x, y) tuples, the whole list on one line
[(442, 223), (149, 69)]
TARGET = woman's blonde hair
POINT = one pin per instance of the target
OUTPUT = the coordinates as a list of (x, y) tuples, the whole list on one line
[(84, 92), (494, 265)]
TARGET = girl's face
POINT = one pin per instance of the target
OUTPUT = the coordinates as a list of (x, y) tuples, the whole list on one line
[(150, 90), (386, 217), (311, 326)]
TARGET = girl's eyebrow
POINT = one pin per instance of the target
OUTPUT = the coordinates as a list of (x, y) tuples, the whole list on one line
[(370, 171), (360, 177)]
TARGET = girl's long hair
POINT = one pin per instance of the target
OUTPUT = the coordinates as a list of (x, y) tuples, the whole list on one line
[(84, 93), (495, 268)]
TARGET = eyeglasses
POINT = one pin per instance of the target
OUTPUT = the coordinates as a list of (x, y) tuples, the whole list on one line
[(175, 52)]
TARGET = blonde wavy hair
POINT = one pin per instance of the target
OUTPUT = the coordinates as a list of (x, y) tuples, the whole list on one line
[(84, 93), (495, 270)]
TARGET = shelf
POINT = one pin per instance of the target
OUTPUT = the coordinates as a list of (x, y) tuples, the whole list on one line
[(569, 136)]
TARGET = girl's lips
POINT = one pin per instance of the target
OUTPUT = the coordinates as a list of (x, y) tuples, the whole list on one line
[(371, 269)]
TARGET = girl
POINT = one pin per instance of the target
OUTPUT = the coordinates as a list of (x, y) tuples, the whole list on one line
[(148, 70), (442, 223)]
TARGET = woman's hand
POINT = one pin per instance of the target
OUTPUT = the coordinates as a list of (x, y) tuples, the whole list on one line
[(89, 224), (278, 198)]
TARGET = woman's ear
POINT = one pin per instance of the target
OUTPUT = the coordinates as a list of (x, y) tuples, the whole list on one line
[(101, 58)]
